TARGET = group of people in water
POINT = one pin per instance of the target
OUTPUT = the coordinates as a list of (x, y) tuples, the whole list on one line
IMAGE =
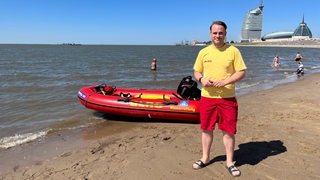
[(298, 58), (276, 63)]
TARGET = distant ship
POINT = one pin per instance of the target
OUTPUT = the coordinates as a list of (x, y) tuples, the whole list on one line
[(71, 44), (199, 44), (195, 43)]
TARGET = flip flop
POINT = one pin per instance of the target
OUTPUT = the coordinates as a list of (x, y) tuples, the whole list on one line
[(233, 169), (200, 165)]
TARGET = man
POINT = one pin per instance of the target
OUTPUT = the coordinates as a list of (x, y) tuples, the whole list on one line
[(153, 65), (218, 67), (298, 57), (300, 70)]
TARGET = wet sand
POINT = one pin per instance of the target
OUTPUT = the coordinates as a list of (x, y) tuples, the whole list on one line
[(277, 138)]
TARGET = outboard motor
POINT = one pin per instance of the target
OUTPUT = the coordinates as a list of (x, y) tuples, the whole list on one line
[(188, 89)]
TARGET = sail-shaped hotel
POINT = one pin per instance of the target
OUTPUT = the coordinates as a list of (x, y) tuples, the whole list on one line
[(252, 25)]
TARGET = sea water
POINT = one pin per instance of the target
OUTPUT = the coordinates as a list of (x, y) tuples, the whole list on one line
[(39, 83)]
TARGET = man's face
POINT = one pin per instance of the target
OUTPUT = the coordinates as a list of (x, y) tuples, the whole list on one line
[(218, 35)]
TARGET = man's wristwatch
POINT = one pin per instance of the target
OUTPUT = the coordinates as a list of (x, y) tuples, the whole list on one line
[(200, 79)]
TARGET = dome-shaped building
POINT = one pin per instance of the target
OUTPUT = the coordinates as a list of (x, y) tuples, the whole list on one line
[(302, 31), (277, 35)]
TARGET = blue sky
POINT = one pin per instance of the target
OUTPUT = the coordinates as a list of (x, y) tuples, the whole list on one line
[(161, 22)]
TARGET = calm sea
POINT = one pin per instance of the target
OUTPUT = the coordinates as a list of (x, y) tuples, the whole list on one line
[(39, 83)]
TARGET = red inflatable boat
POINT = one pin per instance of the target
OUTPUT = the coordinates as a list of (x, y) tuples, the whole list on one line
[(181, 104)]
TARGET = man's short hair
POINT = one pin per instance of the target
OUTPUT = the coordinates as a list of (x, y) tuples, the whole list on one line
[(221, 23)]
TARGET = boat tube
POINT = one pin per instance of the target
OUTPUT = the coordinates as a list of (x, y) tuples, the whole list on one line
[(179, 105)]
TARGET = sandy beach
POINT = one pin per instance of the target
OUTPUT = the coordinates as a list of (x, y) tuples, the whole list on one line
[(277, 138)]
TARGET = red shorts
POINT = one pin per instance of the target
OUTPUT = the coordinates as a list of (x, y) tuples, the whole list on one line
[(223, 111)]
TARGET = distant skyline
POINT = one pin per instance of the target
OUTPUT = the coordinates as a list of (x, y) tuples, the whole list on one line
[(143, 22)]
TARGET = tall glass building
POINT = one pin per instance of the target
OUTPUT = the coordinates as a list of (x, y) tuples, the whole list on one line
[(252, 25)]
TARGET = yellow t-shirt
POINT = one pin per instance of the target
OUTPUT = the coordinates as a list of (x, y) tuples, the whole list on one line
[(219, 64)]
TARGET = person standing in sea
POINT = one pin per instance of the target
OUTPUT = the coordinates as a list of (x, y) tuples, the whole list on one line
[(276, 62), (218, 67), (298, 57), (153, 65)]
